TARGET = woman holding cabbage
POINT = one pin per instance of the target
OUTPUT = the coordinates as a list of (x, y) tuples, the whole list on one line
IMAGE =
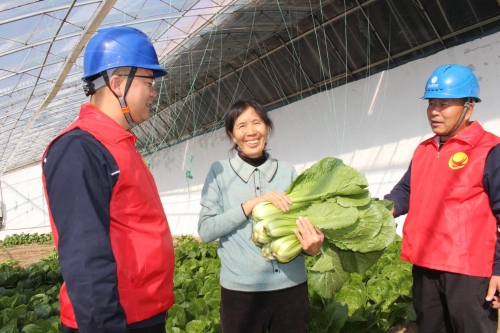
[(257, 295)]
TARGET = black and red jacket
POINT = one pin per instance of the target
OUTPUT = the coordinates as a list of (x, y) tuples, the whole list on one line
[(453, 203), (109, 226)]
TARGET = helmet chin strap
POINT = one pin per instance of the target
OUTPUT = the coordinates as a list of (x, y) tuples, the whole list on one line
[(459, 121), (123, 103)]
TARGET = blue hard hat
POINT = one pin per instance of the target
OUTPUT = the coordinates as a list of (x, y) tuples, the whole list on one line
[(452, 81), (120, 47)]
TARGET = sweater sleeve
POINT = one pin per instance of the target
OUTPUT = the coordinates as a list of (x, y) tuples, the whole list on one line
[(214, 222), (400, 194), (80, 174), (491, 183)]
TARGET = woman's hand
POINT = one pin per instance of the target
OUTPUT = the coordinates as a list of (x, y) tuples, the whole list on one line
[(279, 199), (310, 237)]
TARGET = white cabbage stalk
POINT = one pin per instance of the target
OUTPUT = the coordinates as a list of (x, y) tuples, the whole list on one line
[(266, 210), (266, 252), (335, 198), (285, 248)]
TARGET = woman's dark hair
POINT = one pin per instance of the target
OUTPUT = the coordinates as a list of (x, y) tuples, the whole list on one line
[(238, 107)]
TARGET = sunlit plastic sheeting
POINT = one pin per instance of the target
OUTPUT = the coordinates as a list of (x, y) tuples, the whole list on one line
[(217, 51)]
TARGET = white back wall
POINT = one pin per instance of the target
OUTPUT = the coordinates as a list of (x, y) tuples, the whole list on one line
[(24, 206), (373, 125)]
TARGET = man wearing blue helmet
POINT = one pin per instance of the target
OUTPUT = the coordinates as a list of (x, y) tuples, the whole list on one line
[(451, 193), (109, 226)]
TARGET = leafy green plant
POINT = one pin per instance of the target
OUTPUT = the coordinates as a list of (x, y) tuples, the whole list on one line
[(371, 297), (335, 198), (357, 230), (29, 297), (374, 291), (327, 178), (371, 301), (196, 288), (26, 239)]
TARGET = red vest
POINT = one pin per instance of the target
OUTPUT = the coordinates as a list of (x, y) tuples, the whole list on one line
[(450, 225), (139, 232)]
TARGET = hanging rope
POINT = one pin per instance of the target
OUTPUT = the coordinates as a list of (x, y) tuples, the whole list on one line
[(334, 126), (189, 175)]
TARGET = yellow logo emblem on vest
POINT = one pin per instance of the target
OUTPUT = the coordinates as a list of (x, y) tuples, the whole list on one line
[(458, 161)]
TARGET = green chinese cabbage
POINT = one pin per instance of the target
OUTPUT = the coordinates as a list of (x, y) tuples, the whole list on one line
[(336, 199)]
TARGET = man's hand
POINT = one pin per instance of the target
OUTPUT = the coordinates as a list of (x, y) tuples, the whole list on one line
[(492, 289)]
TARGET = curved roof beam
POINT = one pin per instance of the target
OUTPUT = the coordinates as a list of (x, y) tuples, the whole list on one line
[(68, 64), (55, 9)]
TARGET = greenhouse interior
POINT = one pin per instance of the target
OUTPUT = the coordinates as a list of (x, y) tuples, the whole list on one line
[(338, 78)]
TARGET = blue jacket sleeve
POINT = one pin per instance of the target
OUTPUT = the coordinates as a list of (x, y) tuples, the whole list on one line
[(400, 194), (491, 183), (80, 175)]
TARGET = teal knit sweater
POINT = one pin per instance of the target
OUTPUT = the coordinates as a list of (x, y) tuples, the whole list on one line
[(230, 183)]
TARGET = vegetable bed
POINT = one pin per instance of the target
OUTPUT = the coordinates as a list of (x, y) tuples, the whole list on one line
[(369, 302)]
